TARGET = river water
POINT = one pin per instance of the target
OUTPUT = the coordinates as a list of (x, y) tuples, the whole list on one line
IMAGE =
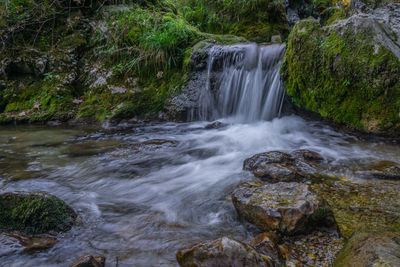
[(144, 191)]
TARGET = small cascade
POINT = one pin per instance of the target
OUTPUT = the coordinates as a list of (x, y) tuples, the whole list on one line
[(243, 82)]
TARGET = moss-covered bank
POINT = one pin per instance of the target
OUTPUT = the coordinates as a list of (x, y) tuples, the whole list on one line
[(345, 72)]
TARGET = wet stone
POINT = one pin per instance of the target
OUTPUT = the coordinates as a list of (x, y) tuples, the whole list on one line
[(386, 170), (13, 243), (90, 261), (276, 166), (215, 125), (289, 208), (223, 252)]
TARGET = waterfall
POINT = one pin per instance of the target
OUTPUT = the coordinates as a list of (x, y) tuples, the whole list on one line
[(243, 82)]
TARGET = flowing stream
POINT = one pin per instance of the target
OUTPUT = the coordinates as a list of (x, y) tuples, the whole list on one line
[(144, 191)]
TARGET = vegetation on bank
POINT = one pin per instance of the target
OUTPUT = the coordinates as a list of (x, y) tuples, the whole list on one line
[(106, 59)]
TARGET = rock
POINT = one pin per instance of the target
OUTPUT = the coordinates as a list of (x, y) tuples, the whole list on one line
[(362, 205), (33, 244), (371, 249), (34, 213), (221, 252), (215, 125), (90, 261), (381, 170), (345, 71), (267, 245), (276, 166), (289, 208), (14, 243), (307, 155)]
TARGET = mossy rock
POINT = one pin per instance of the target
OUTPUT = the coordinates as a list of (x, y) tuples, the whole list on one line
[(34, 213), (362, 206), (348, 72), (370, 249)]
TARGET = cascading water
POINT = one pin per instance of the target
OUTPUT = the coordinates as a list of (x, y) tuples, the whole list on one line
[(247, 86)]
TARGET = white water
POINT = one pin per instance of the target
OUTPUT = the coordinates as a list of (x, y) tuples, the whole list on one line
[(248, 89)]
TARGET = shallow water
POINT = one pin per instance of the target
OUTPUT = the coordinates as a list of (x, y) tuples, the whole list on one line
[(145, 191)]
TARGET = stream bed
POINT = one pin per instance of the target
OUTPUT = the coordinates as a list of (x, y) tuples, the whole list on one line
[(144, 191)]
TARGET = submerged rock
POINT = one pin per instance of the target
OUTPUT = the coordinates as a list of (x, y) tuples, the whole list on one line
[(223, 252), (90, 261), (289, 208), (276, 166), (382, 170), (13, 243), (215, 125), (34, 213), (371, 249)]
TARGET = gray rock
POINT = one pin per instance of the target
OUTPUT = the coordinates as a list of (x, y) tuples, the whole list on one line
[(289, 208), (223, 252), (276, 166)]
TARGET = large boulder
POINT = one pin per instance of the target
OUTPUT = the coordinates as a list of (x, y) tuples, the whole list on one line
[(223, 252), (371, 249), (348, 71), (276, 166), (359, 204), (34, 213), (289, 208)]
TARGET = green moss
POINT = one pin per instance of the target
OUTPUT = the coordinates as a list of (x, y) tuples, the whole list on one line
[(357, 207), (342, 76), (34, 213)]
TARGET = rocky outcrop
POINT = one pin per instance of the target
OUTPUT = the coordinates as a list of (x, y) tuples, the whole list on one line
[(371, 249), (34, 213), (289, 208), (362, 205), (276, 166), (348, 71), (223, 252)]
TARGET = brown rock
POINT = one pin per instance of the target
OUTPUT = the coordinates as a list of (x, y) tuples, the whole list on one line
[(89, 261)]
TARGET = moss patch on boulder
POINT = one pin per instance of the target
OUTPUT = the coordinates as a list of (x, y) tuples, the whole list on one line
[(34, 213), (345, 72)]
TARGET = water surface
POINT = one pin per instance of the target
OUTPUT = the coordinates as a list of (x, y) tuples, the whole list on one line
[(144, 191)]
